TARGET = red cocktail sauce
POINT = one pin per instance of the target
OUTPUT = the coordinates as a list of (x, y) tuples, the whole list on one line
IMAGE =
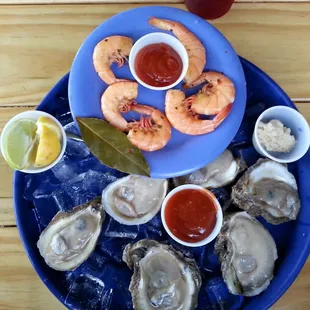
[(158, 65), (191, 214)]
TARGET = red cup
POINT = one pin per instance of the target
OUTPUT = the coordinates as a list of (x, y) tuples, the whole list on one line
[(209, 9)]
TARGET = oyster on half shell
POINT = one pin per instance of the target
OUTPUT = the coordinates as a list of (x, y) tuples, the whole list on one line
[(134, 199), (269, 190), (220, 172), (162, 277), (71, 237), (247, 253)]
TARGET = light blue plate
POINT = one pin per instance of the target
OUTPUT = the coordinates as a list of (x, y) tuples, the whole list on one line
[(183, 153)]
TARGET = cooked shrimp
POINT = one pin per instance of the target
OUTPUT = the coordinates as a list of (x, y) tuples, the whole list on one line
[(195, 50), (109, 50), (151, 133), (148, 134), (116, 99), (186, 121), (214, 96)]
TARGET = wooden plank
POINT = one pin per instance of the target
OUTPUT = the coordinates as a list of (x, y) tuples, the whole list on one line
[(21, 288), (304, 109), (6, 181), (7, 212), (297, 296), (266, 34), (125, 1), (38, 43)]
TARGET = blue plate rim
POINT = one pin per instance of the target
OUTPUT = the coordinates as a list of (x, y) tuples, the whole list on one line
[(222, 146), (299, 263)]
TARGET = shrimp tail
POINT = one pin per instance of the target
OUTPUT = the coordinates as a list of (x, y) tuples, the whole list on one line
[(119, 61), (201, 79), (219, 118), (189, 101), (162, 24), (128, 106), (142, 109), (145, 122)]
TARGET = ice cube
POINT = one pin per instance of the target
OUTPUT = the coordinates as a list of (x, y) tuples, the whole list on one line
[(62, 198), (114, 229), (66, 170), (117, 281), (106, 299), (72, 128), (102, 291), (76, 149), (96, 181), (223, 195), (112, 248), (187, 251), (152, 232), (219, 296), (86, 290), (87, 184), (38, 184), (46, 209), (37, 218), (156, 222), (250, 155), (64, 116), (152, 229), (209, 261)]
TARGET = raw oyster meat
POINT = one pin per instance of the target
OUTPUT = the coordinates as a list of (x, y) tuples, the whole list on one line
[(247, 253), (162, 277), (220, 172), (70, 237), (134, 199), (269, 190)]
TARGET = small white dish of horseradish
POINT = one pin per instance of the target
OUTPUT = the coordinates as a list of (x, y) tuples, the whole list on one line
[(281, 134)]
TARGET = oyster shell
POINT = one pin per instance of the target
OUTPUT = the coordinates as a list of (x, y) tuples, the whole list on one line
[(220, 172), (70, 237), (247, 253), (269, 190), (163, 278), (134, 200)]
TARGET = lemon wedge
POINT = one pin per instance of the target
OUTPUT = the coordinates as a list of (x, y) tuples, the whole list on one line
[(49, 142), (19, 145)]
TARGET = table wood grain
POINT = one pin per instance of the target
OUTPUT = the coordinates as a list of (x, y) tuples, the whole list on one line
[(38, 43), (157, 2), (37, 46)]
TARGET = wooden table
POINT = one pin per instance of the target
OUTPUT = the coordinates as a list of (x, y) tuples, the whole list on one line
[(38, 40)]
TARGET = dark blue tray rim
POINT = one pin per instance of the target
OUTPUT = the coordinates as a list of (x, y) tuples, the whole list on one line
[(269, 301)]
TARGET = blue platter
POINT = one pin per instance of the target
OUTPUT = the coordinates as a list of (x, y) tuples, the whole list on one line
[(102, 281), (180, 155)]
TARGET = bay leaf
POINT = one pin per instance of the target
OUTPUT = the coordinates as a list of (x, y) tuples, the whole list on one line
[(112, 147)]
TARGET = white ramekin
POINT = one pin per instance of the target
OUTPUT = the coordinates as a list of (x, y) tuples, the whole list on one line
[(34, 115), (219, 216), (158, 37), (299, 128)]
